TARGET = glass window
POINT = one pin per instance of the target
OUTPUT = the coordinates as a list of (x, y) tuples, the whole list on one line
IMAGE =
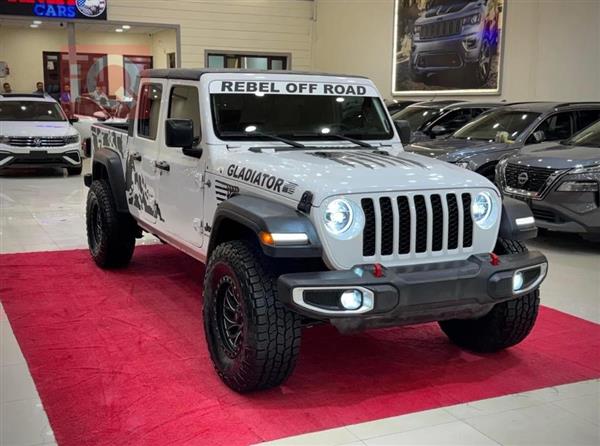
[(185, 104), (149, 110), (249, 61), (590, 137), (418, 117), (556, 128), (502, 125), (215, 61), (302, 117), (455, 119), (587, 118), (277, 64), (256, 63), (132, 68), (31, 111)]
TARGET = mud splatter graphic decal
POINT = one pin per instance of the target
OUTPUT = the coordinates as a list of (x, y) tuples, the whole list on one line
[(370, 160), (110, 139), (139, 194)]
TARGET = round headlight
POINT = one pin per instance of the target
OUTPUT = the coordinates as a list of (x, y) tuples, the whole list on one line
[(483, 210), (338, 216)]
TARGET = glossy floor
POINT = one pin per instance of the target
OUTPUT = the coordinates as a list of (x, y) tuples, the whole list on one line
[(45, 211)]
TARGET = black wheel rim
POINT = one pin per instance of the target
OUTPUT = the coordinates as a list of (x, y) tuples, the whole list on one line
[(230, 316), (95, 224), (485, 63)]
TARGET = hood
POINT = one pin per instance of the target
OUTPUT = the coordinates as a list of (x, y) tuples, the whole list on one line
[(339, 171), (42, 129), (558, 156), (453, 149), (451, 7)]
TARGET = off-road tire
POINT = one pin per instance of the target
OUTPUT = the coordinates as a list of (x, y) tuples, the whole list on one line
[(74, 171), (270, 333), (111, 235), (506, 325)]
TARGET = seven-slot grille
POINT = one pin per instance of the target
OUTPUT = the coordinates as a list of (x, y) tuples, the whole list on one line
[(441, 29), (405, 225), (17, 141), (531, 179)]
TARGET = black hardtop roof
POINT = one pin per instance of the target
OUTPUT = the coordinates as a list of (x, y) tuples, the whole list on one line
[(194, 74)]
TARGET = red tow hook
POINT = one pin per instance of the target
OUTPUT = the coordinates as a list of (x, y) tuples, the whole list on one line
[(378, 270), (494, 259)]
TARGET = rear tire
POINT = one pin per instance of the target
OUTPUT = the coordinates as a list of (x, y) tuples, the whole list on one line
[(111, 235), (253, 339), (506, 325)]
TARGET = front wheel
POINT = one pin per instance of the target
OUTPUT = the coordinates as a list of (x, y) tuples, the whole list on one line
[(481, 70), (507, 324), (252, 337)]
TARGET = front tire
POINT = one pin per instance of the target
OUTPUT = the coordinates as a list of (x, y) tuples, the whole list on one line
[(111, 235), (506, 325), (252, 337)]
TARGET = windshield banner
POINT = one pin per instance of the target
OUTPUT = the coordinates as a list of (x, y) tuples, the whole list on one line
[(260, 88)]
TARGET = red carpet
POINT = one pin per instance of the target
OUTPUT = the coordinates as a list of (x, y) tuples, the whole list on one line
[(119, 358)]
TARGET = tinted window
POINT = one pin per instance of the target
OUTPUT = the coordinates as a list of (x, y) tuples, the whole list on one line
[(30, 111), (501, 125), (418, 117), (184, 104), (149, 110), (587, 118), (556, 127), (590, 137), (455, 119), (309, 116)]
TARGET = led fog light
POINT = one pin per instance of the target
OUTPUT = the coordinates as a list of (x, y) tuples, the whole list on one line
[(518, 281), (351, 299)]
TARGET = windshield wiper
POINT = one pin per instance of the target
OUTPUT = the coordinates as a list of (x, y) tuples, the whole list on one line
[(358, 142), (267, 135)]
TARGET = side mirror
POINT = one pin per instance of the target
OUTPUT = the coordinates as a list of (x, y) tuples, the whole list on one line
[(180, 133), (403, 128), (74, 119), (438, 130), (100, 116), (539, 136)]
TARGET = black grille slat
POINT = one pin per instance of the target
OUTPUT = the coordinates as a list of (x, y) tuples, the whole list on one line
[(453, 221), (468, 219), (370, 227), (438, 223), (421, 212), (17, 141), (441, 29), (387, 226), (405, 220), (537, 177)]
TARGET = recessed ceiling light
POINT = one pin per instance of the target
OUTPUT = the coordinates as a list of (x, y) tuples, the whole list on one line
[(37, 22), (34, 26), (119, 30), (126, 27)]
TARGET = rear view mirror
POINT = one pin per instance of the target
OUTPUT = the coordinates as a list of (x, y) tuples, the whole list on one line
[(403, 128), (73, 119), (180, 133), (539, 136)]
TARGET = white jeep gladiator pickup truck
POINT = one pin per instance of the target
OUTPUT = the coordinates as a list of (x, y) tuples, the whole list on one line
[(294, 189)]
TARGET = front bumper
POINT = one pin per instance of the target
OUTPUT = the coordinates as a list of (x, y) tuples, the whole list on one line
[(68, 156), (443, 54), (412, 294)]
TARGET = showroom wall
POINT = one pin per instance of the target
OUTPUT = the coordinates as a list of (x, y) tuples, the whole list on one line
[(15, 42), (283, 26), (163, 43), (552, 47)]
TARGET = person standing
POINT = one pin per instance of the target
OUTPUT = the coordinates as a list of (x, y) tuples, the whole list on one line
[(39, 88), (65, 100)]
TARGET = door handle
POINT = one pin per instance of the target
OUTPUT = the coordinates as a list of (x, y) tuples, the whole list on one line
[(137, 156), (162, 165)]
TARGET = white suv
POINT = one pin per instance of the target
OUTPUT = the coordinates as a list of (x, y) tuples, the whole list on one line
[(35, 132)]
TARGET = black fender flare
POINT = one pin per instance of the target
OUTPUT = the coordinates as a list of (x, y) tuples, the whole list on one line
[(263, 215), (513, 212), (112, 165)]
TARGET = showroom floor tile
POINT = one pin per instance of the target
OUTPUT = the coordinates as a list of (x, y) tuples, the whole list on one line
[(46, 212)]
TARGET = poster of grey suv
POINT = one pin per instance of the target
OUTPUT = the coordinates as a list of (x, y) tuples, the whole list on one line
[(448, 46)]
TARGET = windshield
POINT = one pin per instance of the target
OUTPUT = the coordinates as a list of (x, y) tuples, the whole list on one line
[(418, 117), (30, 111), (501, 126), (237, 116), (589, 137)]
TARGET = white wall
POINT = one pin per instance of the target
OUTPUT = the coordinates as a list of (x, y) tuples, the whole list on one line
[(246, 25), (552, 47)]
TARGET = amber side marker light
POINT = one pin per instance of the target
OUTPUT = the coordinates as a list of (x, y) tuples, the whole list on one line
[(274, 239)]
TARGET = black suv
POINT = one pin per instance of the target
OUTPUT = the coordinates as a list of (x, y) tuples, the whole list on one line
[(560, 182), (480, 144), (433, 119)]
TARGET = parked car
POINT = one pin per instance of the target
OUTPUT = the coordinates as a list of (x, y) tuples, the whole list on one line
[(89, 111), (35, 132), (560, 182), (396, 105), (453, 35), (434, 119), (479, 145), (306, 210)]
